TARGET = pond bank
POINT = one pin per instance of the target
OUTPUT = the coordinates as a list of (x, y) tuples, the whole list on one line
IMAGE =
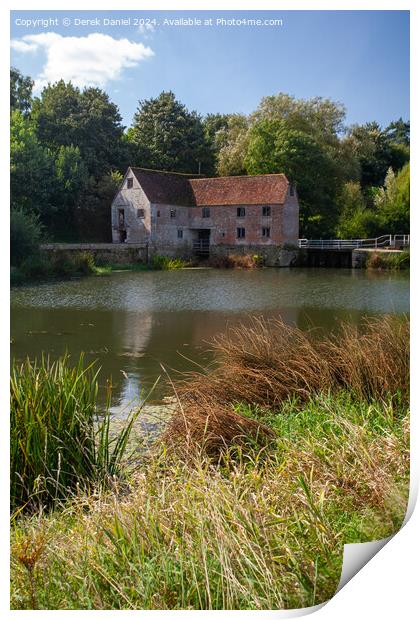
[(259, 523)]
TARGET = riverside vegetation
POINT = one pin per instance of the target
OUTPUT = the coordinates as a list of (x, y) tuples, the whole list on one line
[(287, 447)]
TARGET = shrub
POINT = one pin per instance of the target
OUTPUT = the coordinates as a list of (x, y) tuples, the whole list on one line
[(36, 267), (25, 235)]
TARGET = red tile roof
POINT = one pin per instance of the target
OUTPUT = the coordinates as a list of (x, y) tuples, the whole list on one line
[(184, 190), (250, 190)]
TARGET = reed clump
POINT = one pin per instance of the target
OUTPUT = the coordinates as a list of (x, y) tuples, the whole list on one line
[(59, 445), (270, 362), (259, 529), (235, 261)]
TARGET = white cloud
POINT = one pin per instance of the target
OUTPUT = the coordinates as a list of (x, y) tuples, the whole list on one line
[(93, 60)]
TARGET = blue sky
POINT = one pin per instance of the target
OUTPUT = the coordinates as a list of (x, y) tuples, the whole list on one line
[(360, 58)]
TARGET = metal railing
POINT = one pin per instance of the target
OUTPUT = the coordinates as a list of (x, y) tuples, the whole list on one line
[(202, 246), (385, 241)]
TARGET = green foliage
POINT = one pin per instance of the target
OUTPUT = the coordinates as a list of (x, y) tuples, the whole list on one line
[(356, 221), (25, 235), (394, 261), (164, 263), (66, 116), (68, 150), (275, 147), (259, 530), (20, 91), (58, 443), (31, 167), (398, 132), (166, 136), (376, 153), (234, 142), (392, 201), (93, 215)]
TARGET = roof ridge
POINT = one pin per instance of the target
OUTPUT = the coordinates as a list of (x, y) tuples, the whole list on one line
[(243, 176), (188, 175)]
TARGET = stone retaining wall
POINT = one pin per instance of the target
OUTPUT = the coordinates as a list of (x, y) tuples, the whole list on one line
[(274, 256), (103, 253)]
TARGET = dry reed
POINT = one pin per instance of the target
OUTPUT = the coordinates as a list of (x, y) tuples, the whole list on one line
[(271, 362)]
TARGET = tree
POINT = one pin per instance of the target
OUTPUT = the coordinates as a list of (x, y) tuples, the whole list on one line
[(356, 220), (31, 167), (20, 91), (25, 235), (233, 141), (399, 132), (92, 218), (274, 147), (392, 202), (376, 153), (318, 117), (166, 136), (65, 116), (215, 133), (69, 181)]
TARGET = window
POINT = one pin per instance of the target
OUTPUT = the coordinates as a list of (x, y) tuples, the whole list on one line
[(206, 212), (140, 213), (266, 232), (240, 233), (240, 212), (158, 213), (266, 211), (173, 212), (291, 190), (180, 233), (129, 183)]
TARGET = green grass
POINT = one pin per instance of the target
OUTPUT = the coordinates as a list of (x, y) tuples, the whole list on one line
[(59, 445), (389, 260), (166, 263), (272, 461), (260, 529)]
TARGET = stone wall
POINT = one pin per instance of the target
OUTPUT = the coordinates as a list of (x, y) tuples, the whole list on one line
[(131, 201), (103, 253), (273, 256)]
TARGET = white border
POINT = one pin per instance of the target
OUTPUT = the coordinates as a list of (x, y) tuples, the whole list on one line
[(387, 586)]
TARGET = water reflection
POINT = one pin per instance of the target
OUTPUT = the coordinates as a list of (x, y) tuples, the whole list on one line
[(136, 323)]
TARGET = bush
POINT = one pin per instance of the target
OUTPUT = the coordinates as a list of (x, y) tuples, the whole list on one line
[(25, 235)]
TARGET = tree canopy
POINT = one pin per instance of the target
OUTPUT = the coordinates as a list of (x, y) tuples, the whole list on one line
[(166, 136), (69, 150)]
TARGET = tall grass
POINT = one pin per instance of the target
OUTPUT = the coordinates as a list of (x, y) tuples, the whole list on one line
[(59, 445), (236, 261), (388, 260), (165, 263), (289, 448), (261, 529), (270, 362)]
